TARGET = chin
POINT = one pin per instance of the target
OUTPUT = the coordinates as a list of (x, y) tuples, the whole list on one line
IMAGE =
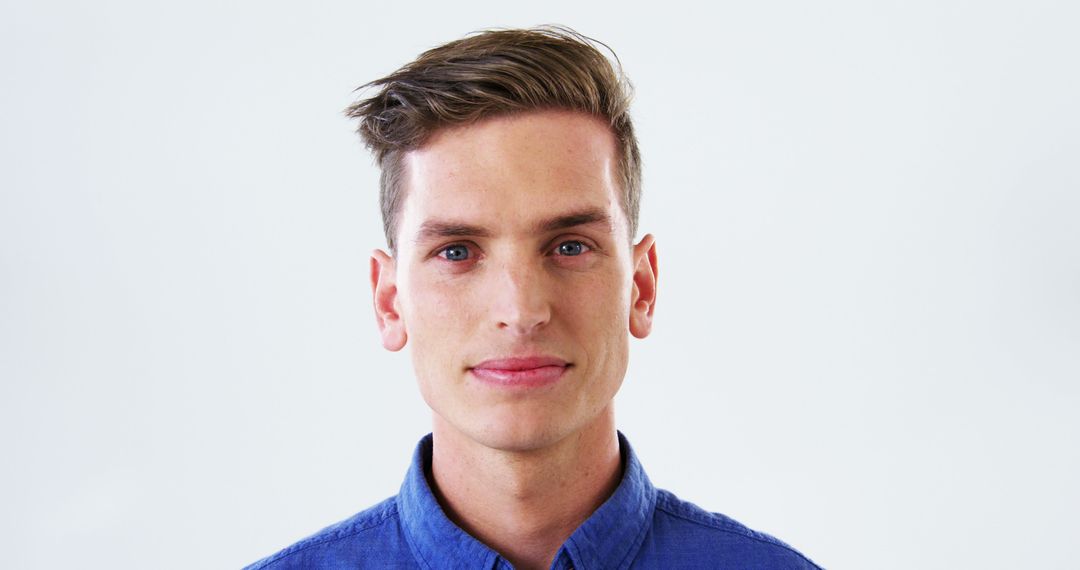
[(519, 432)]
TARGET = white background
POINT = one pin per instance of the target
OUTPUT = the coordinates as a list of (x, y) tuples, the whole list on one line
[(868, 332)]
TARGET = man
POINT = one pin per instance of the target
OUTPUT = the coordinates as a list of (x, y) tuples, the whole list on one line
[(509, 193)]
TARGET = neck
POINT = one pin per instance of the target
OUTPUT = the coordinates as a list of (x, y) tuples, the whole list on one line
[(525, 504)]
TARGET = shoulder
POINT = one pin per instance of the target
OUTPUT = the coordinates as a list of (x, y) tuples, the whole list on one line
[(349, 542), (685, 527)]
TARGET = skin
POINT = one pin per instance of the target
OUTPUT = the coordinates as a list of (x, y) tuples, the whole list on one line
[(512, 242)]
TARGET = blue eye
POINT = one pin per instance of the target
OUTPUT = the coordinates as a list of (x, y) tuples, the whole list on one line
[(455, 253), (571, 248)]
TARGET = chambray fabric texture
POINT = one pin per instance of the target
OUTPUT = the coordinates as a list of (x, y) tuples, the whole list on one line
[(639, 526)]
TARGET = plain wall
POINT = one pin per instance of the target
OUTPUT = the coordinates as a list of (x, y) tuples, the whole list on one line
[(867, 339)]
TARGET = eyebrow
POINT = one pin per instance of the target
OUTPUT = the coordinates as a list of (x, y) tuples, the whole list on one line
[(572, 220), (433, 229)]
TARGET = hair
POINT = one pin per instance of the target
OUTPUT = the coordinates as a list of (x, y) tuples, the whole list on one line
[(494, 73)]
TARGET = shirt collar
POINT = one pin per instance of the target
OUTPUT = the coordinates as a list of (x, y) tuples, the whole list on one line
[(607, 539)]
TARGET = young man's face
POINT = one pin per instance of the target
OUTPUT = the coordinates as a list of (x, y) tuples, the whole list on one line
[(515, 282)]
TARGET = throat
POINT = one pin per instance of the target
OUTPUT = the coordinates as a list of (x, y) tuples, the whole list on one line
[(524, 505)]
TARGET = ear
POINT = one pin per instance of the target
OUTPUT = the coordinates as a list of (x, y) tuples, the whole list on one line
[(384, 290), (643, 297)]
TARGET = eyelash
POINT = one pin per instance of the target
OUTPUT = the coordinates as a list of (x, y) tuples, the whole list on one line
[(586, 248), (441, 252)]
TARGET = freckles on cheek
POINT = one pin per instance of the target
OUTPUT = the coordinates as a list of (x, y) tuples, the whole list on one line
[(603, 295), (595, 312), (441, 306)]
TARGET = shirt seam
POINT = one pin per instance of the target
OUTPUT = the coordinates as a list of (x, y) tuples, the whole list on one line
[(735, 532), (337, 535), (626, 559), (417, 552)]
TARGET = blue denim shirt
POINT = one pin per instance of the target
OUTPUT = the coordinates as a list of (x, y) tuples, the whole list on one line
[(639, 526)]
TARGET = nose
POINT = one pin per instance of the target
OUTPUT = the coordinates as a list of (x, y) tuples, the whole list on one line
[(520, 299)]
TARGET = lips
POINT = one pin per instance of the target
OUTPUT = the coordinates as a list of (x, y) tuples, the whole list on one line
[(521, 372)]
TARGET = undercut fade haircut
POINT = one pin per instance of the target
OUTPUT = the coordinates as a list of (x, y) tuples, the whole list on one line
[(488, 74)]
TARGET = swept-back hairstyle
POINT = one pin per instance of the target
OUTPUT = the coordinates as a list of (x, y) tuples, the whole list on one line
[(493, 73)]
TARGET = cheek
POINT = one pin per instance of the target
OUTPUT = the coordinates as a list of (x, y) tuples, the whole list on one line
[(439, 317), (437, 305), (602, 299), (597, 316)]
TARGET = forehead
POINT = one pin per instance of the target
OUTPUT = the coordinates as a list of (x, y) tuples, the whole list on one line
[(510, 171)]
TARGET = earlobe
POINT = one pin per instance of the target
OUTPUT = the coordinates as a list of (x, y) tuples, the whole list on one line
[(384, 292), (643, 297)]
